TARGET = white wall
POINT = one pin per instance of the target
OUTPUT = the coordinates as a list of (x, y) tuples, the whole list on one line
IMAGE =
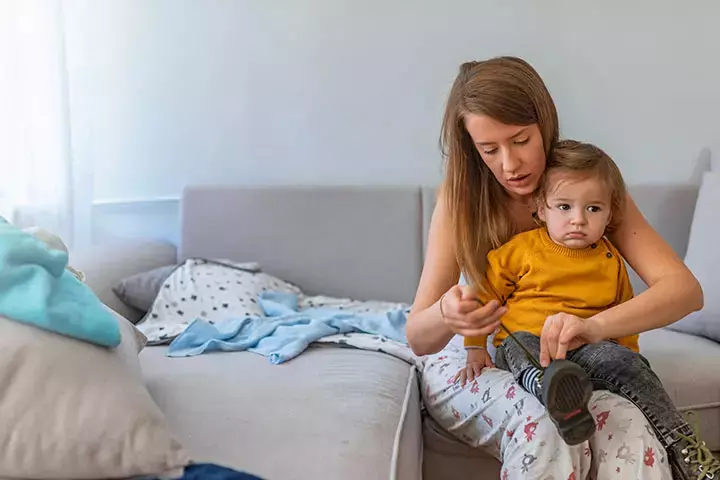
[(170, 92)]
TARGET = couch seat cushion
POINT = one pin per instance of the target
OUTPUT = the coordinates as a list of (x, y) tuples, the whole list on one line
[(689, 367), (330, 413)]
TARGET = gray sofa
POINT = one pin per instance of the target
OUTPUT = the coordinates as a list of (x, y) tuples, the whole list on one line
[(341, 413)]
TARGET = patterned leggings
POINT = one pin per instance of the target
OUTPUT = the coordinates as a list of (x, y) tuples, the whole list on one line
[(495, 414)]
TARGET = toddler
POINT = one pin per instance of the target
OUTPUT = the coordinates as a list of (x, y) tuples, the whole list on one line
[(568, 266)]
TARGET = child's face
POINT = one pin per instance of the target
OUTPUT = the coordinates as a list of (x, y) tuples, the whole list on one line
[(576, 210)]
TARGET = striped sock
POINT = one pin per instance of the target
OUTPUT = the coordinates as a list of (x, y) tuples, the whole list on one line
[(530, 380)]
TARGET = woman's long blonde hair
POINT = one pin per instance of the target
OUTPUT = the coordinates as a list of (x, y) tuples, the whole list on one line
[(510, 91)]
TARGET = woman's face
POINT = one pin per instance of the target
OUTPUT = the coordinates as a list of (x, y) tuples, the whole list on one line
[(513, 153)]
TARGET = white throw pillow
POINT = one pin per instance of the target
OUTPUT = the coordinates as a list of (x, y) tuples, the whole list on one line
[(703, 259), (73, 410), (207, 290), (141, 289)]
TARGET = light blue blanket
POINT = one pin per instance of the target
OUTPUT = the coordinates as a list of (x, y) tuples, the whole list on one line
[(36, 289), (286, 332)]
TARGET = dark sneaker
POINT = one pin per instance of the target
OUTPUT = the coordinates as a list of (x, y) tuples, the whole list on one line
[(566, 390), (693, 459)]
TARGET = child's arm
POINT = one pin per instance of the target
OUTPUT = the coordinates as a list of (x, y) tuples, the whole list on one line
[(505, 266)]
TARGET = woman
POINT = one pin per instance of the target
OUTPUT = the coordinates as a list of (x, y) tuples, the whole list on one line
[(500, 125)]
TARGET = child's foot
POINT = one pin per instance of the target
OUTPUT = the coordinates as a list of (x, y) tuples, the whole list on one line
[(566, 390)]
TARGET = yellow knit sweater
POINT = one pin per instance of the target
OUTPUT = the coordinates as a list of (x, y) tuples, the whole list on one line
[(535, 278)]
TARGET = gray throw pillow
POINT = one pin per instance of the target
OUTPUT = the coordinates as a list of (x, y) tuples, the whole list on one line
[(140, 290)]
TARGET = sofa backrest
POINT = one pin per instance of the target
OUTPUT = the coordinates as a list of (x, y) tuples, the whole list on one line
[(364, 242), (359, 242), (669, 209)]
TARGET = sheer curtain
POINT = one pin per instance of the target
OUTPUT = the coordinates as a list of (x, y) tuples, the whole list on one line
[(35, 155)]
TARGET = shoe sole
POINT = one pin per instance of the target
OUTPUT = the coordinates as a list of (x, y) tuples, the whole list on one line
[(566, 393)]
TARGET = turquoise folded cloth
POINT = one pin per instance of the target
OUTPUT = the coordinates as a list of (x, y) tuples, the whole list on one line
[(37, 289)]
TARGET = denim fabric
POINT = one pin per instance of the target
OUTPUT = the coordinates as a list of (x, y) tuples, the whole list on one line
[(619, 370), (206, 471), (614, 368)]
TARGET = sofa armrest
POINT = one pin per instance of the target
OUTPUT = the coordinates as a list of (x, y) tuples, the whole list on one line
[(105, 265)]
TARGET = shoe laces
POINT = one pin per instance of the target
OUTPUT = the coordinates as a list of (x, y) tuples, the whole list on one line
[(696, 453), (529, 355)]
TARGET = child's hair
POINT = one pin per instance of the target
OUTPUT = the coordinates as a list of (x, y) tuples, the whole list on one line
[(586, 159)]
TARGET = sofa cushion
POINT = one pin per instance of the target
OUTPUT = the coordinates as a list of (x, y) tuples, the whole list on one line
[(445, 453), (72, 410), (329, 413), (703, 323), (703, 258), (688, 367)]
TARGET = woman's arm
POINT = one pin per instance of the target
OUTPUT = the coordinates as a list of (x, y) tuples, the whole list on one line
[(673, 291), (425, 330)]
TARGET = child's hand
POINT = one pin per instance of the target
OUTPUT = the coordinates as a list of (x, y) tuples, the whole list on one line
[(477, 359)]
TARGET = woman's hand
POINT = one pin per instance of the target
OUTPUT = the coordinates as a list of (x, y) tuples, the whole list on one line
[(464, 314), (477, 360), (563, 332)]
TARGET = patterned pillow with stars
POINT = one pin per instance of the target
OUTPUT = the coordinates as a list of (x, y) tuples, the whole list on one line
[(208, 290)]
